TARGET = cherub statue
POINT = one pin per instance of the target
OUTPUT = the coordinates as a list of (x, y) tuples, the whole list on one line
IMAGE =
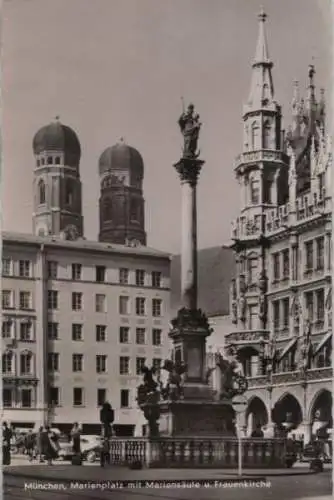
[(233, 381), (173, 389)]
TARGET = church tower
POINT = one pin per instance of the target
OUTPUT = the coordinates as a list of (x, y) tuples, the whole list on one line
[(122, 218), (57, 185)]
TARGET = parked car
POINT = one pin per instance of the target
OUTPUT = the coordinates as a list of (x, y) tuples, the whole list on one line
[(318, 450), (90, 448)]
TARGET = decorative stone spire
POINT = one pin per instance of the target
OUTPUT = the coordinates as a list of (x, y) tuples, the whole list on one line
[(262, 88)]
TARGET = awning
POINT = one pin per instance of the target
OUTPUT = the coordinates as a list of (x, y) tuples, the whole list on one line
[(287, 349), (325, 339)]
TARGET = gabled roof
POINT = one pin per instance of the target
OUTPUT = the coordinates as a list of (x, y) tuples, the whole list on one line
[(216, 269)]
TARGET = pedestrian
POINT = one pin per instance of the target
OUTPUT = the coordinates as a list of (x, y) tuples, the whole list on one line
[(49, 446), (39, 451), (30, 444), (7, 434), (257, 432), (75, 435)]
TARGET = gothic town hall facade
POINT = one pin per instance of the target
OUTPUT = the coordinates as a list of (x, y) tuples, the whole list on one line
[(281, 297)]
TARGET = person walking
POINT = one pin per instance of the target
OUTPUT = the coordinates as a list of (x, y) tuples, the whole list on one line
[(39, 451), (75, 436), (6, 441), (48, 445), (30, 444)]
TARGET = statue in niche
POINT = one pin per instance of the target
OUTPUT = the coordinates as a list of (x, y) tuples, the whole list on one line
[(305, 347), (190, 125), (270, 355)]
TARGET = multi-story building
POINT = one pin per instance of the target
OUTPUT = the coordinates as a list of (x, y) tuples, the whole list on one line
[(80, 318), (281, 299)]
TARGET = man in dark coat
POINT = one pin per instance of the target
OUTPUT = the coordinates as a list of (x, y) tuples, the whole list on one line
[(6, 439)]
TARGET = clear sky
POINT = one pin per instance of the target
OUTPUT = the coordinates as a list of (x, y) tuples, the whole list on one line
[(113, 68)]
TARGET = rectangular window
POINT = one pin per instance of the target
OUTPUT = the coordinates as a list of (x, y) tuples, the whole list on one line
[(54, 396), (286, 263), (77, 332), (76, 272), (124, 276), (276, 266), (320, 305), (7, 398), (53, 331), (52, 299), (140, 363), (101, 333), (156, 336), (276, 315), (320, 253), (77, 396), (140, 277), (25, 300), (309, 306), (140, 306), (77, 362), (124, 305), (156, 279), (252, 268), (76, 301), (286, 312), (124, 365), (7, 299), (7, 267), (52, 269), (101, 396), (100, 274), (7, 329), (7, 363), (252, 317), (156, 363), (53, 362), (140, 336), (100, 303), (25, 331), (255, 191), (25, 364), (309, 256), (26, 399), (124, 398), (124, 334), (156, 307), (24, 268), (101, 363)]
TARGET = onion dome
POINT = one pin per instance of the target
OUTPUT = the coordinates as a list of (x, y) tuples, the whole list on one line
[(57, 137), (122, 157)]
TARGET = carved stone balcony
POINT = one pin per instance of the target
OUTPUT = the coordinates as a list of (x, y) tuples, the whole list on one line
[(260, 155), (247, 337)]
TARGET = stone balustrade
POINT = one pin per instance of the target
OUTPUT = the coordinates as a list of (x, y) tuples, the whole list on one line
[(192, 452), (261, 155)]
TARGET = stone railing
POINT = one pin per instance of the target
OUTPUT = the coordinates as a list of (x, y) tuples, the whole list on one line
[(247, 336), (210, 452), (261, 155)]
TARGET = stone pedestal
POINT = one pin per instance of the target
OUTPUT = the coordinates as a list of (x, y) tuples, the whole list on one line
[(196, 418)]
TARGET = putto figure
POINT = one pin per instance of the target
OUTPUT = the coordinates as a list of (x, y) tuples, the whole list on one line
[(190, 126)]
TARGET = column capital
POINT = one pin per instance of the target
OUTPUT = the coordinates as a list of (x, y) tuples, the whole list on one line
[(189, 170)]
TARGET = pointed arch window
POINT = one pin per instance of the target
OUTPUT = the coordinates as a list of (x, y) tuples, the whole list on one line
[(8, 362), (255, 136), (26, 364), (41, 192), (267, 135), (107, 209)]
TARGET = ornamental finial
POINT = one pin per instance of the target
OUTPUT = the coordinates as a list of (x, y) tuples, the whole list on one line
[(262, 15)]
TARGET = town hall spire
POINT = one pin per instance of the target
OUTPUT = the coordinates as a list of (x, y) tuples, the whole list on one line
[(262, 88)]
